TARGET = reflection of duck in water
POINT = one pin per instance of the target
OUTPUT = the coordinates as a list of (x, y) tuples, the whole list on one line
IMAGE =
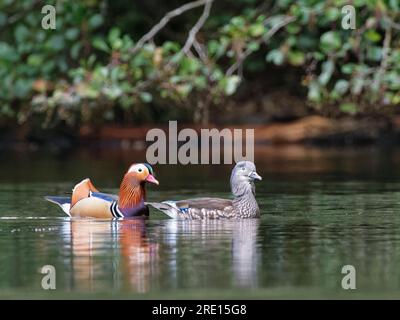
[(210, 242), (87, 201), (109, 254), (139, 255), (243, 205), (88, 238), (245, 253)]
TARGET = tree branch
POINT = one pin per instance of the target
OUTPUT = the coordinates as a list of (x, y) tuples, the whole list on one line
[(164, 21), (200, 50), (238, 63), (376, 84), (193, 32), (21, 13), (393, 24)]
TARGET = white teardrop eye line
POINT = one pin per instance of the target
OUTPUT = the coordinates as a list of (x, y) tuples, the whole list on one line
[(137, 168)]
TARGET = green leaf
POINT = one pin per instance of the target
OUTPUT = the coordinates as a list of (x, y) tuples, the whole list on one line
[(373, 36), (238, 22), (100, 44), (296, 58), (217, 75), (190, 65), (62, 64), (319, 56), (349, 108), (393, 78), (171, 47), (293, 28), (96, 21), (112, 92), (357, 85), (326, 72), (3, 19), (72, 33), (6, 110), (116, 74), (57, 42), (114, 35), (332, 13), (314, 92), (76, 47), (253, 46), (341, 86), (330, 41), (275, 56), (394, 4), (146, 97), (230, 84), (35, 60), (306, 42), (256, 30), (40, 36), (7, 52), (374, 53), (214, 47), (22, 88), (200, 82), (347, 68), (184, 89), (48, 66), (21, 33)]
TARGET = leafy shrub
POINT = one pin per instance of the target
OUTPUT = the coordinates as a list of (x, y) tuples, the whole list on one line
[(85, 71)]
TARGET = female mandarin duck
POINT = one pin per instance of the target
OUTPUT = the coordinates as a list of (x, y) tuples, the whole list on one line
[(87, 201), (243, 205)]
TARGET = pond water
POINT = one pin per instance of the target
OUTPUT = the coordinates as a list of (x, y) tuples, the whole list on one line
[(321, 209)]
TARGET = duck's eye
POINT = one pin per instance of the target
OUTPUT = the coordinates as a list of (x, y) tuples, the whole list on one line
[(243, 168), (140, 170)]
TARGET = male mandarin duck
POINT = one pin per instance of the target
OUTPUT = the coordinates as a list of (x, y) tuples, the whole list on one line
[(87, 201), (243, 205)]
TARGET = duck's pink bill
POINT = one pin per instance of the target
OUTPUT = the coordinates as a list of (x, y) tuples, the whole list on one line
[(150, 178)]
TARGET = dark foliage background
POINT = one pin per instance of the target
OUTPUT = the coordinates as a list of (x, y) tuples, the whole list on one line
[(96, 68)]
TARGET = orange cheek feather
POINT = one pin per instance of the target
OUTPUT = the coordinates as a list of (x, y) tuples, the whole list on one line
[(141, 176)]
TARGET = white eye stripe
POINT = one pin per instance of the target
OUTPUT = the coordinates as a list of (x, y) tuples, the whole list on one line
[(137, 168)]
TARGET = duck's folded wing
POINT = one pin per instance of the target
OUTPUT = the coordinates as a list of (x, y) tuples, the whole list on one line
[(199, 208), (205, 203), (105, 196)]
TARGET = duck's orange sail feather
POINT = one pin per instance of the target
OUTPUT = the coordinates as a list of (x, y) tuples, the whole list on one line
[(82, 190)]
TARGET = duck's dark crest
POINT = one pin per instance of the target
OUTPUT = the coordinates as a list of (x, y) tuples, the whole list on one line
[(151, 171)]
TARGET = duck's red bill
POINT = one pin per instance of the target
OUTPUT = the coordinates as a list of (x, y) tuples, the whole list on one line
[(150, 178)]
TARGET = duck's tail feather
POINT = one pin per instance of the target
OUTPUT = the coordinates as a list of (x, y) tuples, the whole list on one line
[(167, 207), (63, 202)]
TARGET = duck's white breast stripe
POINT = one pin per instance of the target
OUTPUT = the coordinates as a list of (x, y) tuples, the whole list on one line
[(116, 213)]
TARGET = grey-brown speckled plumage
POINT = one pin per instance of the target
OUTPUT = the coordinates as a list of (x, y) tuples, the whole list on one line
[(243, 205)]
